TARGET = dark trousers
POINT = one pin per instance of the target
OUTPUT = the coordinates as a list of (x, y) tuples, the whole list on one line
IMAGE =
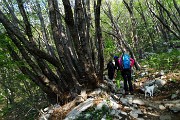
[(126, 74), (111, 74)]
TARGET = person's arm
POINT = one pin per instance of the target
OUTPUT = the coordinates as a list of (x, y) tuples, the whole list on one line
[(132, 62), (120, 61)]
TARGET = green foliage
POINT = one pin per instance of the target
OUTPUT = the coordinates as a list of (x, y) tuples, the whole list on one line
[(20, 98), (93, 114), (24, 109), (165, 61), (118, 79), (109, 49)]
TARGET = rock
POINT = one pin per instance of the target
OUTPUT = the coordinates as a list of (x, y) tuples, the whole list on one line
[(103, 86), (161, 73), (144, 66), (138, 111), (161, 107), (44, 117), (116, 119), (150, 108), (80, 108), (165, 117), (173, 96), (46, 109), (175, 108), (138, 102), (99, 106), (104, 117), (115, 97), (160, 82), (79, 99), (47, 116), (57, 106), (153, 105), (95, 93), (124, 113), (163, 77), (50, 111), (113, 112), (133, 114), (119, 117), (148, 83), (135, 106), (122, 84), (113, 103), (139, 118), (129, 100), (124, 101), (136, 80), (127, 108), (169, 105), (143, 74), (116, 114), (121, 91)]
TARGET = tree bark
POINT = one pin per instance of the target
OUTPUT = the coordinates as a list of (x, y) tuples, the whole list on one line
[(99, 39), (68, 68)]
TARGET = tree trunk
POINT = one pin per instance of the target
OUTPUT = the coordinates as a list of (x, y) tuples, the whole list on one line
[(118, 35), (44, 31), (99, 39), (68, 68), (133, 26)]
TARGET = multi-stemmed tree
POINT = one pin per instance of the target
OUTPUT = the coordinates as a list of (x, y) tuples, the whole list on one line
[(60, 54)]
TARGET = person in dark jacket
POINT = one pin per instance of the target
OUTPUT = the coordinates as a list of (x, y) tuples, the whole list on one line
[(117, 66), (111, 70)]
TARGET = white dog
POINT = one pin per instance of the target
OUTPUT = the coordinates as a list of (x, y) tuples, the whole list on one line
[(150, 90)]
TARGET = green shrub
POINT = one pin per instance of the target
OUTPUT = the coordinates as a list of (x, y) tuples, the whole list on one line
[(92, 114), (165, 61)]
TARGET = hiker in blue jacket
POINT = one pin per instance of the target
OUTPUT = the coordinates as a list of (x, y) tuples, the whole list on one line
[(124, 64)]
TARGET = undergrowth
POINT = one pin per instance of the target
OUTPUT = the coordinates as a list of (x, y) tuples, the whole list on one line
[(164, 61), (93, 114)]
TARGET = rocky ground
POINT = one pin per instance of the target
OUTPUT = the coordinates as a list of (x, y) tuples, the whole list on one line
[(110, 102)]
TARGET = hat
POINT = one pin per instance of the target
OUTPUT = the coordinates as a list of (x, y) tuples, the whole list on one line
[(115, 57)]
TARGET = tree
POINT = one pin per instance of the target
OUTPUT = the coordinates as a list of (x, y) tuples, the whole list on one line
[(118, 34), (168, 19), (72, 63), (133, 26)]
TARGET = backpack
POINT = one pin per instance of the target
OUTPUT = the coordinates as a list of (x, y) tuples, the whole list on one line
[(126, 61)]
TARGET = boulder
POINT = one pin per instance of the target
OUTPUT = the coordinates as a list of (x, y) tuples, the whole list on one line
[(138, 102)]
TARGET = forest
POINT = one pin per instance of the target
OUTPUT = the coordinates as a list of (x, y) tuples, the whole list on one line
[(53, 50)]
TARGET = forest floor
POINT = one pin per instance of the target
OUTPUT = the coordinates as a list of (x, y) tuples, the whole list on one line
[(169, 92), (155, 107), (165, 93)]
